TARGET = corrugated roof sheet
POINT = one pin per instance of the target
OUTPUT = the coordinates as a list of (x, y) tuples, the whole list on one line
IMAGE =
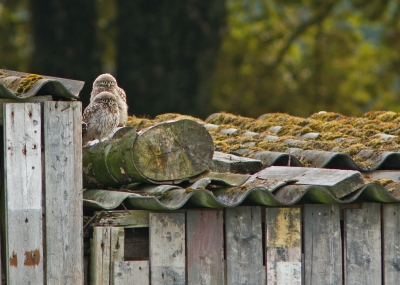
[(279, 143), (274, 186), (19, 85)]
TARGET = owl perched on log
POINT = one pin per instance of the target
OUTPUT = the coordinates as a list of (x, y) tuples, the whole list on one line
[(101, 117), (107, 82)]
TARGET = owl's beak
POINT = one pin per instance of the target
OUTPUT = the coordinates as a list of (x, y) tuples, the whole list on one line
[(109, 84)]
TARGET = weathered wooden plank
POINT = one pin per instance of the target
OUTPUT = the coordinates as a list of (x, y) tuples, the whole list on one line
[(167, 248), (34, 99), (126, 219), (322, 245), (63, 191), (283, 246), (223, 162), (116, 247), (339, 182), (23, 197), (362, 245), (383, 174), (100, 252), (131, 273), (205, 247), (107, 246), (391, 242), (244, 252)]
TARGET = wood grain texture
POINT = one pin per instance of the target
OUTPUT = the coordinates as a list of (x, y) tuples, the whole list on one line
[(23, 193), (391, 242), (117, 245), (34, 99), (173, 150), (169, 151), (322, 245), (167, 248), (283, 246), (362, 245), (244, 252), (131, 273), (63, 191), (205, 247), (224, 162), (339, 182), (100, 254), (126, 219)]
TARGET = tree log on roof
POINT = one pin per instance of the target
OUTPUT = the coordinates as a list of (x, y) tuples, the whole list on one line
[(168, 152)]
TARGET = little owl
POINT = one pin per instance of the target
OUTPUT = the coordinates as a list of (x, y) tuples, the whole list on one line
[(101, 117), (107, 82)]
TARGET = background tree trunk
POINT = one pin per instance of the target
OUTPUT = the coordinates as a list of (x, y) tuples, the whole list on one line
[(166, 52), (64, 34)]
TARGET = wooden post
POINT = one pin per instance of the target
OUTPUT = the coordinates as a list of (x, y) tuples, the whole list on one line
[(283, 246), (23, 197), (391, 242), (205, 247), (322, 245), (244, 252), (362, 238), (63, 192), (167, 248)]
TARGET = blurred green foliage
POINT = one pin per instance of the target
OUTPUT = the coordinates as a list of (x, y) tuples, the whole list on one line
[(306, 56), (289, 56)]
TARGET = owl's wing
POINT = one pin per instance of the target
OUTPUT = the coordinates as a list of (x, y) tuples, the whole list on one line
[(121, 93), (94, 115)]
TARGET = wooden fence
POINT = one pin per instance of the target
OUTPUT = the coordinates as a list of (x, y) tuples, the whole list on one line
[(313, 244), (41, 201)]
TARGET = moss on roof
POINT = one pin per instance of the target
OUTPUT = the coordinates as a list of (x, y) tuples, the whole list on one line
[(376, 130)]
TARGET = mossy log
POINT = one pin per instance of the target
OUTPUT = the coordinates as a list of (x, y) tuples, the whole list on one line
[(165, 153)]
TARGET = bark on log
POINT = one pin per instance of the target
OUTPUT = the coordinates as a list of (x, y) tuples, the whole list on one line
[(165, 153)]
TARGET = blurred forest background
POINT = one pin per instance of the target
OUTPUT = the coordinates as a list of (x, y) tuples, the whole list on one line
[(197, 57)]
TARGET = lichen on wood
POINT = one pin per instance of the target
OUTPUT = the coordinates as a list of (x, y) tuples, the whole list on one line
[(168, 152)]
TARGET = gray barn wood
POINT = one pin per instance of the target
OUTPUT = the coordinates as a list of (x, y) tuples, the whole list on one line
[(35, 99), (100, 254), (127, 219), (63, 191), (107, 247), (283, 246), (167, 248), (23, 193), (339, 182), (362, 248), (131, 273), (322, 245), (244, 252), (117, 243), (205, 247), (391, 242), (223, 162)]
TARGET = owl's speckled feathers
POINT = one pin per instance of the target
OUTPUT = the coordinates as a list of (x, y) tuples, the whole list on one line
[(101, 117), (107, 82)]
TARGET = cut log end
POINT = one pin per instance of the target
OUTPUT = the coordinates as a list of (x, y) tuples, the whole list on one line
[(173, 150)]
